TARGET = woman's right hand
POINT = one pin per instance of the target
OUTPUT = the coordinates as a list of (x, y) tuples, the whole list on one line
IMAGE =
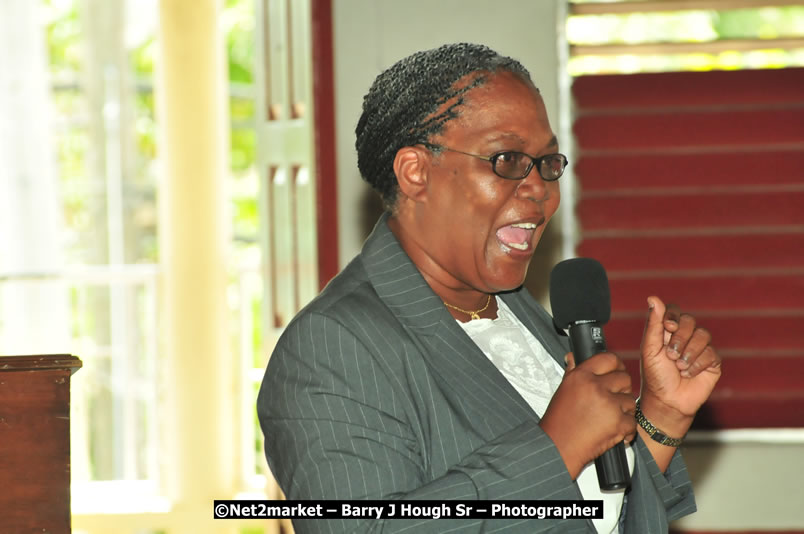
[(592, 410)]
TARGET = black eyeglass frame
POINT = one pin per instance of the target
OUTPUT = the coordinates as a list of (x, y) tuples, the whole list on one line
[(534, 162)]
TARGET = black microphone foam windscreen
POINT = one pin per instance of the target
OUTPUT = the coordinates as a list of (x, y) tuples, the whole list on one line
[(579, 291)]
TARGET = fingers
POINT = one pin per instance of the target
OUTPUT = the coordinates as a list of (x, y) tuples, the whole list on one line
[(689, 347), (686, 352), (604, 362), (628, 427), (671, 317), (592, 410), (653, 337), (610, 371), (616, 382), (685, 329), (626, 423), (599, 364), (627, 403), (707, 359), (687, 344)]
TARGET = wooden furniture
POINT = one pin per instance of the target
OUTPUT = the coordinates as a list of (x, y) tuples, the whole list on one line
[(35, 443)]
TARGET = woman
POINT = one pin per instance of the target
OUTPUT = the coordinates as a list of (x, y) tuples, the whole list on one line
[(425, 371)]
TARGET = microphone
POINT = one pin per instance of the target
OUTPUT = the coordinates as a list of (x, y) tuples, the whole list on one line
[(579, 296)]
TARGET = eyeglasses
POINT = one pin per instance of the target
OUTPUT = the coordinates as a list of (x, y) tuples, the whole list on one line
[(513, 165)]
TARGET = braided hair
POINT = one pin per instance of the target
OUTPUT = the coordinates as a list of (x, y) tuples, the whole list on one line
[(405, 105)]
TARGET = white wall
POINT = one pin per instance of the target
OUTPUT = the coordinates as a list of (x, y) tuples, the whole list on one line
[(370, 35), (748, 480)]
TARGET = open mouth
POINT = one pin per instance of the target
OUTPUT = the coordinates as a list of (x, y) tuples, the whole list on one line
[(517, 236)]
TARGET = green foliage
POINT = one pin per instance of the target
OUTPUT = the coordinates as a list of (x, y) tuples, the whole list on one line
[(143, 58), (764, 23), (239, 31), (241, 109), (63, 36), (689, 26), (238, 24), (246, 218), (243, 150), (256, 334), (145, 125)]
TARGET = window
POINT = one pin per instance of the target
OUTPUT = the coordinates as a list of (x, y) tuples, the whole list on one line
[(670, 35), (78, 227), (665, 159)]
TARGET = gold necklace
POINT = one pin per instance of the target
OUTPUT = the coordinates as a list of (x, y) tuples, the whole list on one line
[(472, 314)]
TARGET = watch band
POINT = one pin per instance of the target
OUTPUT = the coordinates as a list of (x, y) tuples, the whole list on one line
[(654, 433)]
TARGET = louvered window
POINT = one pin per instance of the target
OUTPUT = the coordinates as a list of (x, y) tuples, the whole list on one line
[(691, 184)]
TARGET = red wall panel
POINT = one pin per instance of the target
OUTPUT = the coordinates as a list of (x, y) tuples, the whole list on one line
[(747, 169), (689, 89), (724, 209), (696, 251), (692, 188)]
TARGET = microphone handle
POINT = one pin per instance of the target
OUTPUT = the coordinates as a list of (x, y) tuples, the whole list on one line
[(586, 340)]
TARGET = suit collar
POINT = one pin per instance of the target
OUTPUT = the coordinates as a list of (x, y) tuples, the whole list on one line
[(451, 352), (398, 282)]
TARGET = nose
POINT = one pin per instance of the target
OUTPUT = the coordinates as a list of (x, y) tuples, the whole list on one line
[(532, 187)]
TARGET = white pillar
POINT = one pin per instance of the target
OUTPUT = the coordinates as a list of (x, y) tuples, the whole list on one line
[(33, 316), (193, 124)]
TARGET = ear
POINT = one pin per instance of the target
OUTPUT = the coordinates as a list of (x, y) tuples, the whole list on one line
[(411, 165)]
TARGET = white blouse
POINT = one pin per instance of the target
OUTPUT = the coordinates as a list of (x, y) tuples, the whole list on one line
[(535, 375)]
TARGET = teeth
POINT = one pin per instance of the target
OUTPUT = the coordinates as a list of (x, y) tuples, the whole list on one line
[(518, 246), (528, 226)]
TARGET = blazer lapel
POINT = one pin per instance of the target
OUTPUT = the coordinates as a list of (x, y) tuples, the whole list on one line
[(472, 381)]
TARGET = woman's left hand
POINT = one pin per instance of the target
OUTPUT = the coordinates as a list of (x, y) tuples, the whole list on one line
[(679, 366)]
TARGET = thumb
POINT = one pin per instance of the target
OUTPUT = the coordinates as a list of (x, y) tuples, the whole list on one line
[(653, 337), (569, 359)]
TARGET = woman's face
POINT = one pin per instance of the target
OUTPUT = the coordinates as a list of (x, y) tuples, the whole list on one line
[(482, 229)]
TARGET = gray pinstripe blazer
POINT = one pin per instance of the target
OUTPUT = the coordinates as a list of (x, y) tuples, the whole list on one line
[(374, 392)]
